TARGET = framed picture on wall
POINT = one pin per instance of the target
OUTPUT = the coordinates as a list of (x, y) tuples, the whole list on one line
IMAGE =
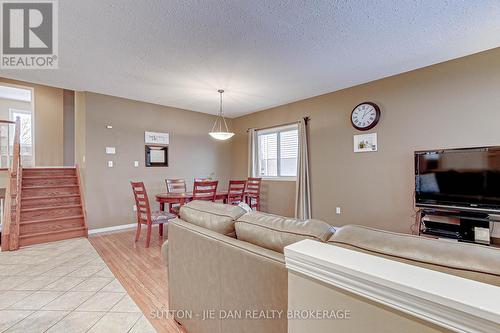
[(365, 143), (156, 138), (156, 156)]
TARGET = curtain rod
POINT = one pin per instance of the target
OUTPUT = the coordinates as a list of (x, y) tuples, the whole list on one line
[(306, 120)]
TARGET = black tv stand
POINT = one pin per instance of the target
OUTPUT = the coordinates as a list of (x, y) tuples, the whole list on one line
[(452, 224)]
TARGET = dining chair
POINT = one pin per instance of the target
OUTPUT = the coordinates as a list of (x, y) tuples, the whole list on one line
[(202, 180), (206, 190), (252, 192), (175, 186), (145, 215), (236, 191)]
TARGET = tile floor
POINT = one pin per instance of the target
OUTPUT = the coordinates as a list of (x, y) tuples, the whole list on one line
[(64, 287)]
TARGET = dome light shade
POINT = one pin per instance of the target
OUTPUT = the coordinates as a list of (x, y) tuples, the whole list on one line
[(220, 131), (221, 135)]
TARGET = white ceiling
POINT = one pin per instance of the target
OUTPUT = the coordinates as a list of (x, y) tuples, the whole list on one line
[(264, 53)]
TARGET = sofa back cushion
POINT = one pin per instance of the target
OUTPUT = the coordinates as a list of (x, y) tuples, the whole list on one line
[(213, 216), (476, 262), (275, 232)]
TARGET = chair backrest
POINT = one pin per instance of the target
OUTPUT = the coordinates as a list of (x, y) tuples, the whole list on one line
[(236, 191), (205, 190), (253, 186), (202, 179), (176, 185), (141, 202)]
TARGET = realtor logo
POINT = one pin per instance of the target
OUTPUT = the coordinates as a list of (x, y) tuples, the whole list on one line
[(29, 34)]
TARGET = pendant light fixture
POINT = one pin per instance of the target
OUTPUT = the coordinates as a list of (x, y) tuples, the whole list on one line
[(220, 131)]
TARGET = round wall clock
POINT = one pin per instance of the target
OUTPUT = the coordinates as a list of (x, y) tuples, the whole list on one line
[(365, 116)]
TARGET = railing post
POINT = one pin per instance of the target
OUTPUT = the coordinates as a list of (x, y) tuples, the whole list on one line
[(12, 213)]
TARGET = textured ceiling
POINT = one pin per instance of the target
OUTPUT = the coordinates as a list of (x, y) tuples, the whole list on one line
[(264, 53)]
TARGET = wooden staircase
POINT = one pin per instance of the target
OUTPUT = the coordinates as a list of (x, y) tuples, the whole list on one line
[(51, 206)]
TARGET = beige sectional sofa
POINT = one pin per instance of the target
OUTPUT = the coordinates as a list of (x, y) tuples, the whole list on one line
[(227, 273)]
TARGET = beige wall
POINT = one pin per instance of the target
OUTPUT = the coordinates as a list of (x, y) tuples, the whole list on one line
[(69, 127), (80, 134), (48, 123), (453, 104), (80, 137), (192, 153)]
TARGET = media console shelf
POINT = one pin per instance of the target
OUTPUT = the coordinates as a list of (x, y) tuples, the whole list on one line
[(462, 226)]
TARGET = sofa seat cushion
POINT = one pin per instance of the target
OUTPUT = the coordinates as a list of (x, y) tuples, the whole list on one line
[(275, 232), (451, 257), (213, 216)]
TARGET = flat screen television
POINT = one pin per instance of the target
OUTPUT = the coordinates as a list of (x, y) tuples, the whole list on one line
[(467, 179)]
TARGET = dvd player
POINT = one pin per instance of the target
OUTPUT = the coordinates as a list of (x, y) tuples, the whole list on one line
[(440, 229)]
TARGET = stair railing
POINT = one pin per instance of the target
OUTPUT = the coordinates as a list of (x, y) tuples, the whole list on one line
[(12, 206)]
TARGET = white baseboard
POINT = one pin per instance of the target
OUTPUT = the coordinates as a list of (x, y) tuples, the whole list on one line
[(115, 228)]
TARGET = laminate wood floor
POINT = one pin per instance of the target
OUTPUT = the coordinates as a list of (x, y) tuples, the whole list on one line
[(141, 271)]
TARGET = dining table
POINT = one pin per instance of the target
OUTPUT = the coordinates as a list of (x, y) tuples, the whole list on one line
[(182, 198)]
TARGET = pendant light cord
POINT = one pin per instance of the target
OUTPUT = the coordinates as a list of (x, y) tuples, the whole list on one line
[(222, 112), (220, 117)]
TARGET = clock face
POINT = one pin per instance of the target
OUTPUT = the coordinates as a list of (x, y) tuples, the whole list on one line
[(365, 116)]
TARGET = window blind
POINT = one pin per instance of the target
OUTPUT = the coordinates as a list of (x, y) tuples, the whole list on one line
[(277, 150)]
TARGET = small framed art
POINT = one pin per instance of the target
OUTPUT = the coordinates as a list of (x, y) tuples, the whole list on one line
[(365, 143)]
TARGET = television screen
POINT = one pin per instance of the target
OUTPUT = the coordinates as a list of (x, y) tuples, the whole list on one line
[(458, 177)]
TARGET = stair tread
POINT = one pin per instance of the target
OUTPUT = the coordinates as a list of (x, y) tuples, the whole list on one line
[(60, 196), (49, 207), (53, 219), (52, 232), (47, 186), (49, 168), (48, 177)]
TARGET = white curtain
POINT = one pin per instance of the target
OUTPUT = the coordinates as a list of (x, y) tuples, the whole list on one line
[(252, 154), (303, 188)]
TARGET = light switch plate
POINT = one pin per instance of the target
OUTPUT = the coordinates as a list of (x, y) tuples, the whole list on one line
[(110, 150), (482, 235), (136, 164), (337, 210), (110, 164)]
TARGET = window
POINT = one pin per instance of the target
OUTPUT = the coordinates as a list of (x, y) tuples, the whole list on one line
[(276, 151), (16, 94), (26, 135)]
